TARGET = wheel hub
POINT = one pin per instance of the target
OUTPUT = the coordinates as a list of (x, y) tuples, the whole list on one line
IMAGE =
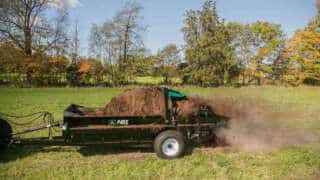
[(170, 147)]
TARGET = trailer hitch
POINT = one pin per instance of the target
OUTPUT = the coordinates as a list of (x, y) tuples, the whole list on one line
[(45, 126), (45, 116)]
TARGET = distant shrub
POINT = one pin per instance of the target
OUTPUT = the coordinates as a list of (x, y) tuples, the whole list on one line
[(73, 74)]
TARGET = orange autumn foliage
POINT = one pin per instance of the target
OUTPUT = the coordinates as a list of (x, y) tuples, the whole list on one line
[(90, 69), (84, 67)]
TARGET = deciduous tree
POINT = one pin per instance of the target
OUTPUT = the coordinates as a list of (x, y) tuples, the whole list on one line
[(24, 22), (208, 51), (314, 23), (268, 44), (303, 54), (168, 61)]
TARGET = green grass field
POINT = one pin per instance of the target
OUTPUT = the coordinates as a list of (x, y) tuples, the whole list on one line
[(300, 162)]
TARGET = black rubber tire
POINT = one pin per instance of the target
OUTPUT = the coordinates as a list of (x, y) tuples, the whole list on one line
[(5, 134), (162, 137)]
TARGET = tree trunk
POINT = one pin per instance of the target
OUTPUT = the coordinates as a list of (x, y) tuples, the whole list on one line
[(27, 41), (243, 78), (166, 78), (126, 40), (226, 78), (259, 81)]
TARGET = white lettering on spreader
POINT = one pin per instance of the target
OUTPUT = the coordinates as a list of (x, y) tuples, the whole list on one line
[(119, 122)]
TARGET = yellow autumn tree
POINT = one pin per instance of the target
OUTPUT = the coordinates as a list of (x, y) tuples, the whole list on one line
[(303, 54)]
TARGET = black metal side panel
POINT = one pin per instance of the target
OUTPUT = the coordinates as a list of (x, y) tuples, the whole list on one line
[(75, 117)]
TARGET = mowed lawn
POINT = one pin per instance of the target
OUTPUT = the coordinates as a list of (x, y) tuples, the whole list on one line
[(102, 162)]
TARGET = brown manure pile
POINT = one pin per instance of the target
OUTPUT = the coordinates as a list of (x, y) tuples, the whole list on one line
[(143, 102), (137, 102), (189, 108)]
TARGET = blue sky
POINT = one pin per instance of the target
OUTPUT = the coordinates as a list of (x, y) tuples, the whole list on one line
[(165, 17)]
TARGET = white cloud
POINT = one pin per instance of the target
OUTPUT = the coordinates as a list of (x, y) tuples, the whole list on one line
[(66, 3), (72, 3)]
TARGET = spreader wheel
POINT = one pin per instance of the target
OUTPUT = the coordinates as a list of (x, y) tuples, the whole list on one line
[(5, 134), (169, 144)]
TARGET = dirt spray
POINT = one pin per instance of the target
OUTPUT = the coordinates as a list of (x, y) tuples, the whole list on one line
[(252, 127)]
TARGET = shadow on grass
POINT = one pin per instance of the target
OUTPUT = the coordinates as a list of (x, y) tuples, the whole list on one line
[(15, 152), (119, 149), (92, 150)]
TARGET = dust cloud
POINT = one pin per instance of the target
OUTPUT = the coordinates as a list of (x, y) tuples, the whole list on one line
[(252, 127)]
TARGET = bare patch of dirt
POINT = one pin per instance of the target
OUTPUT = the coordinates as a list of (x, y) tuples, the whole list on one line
[(133, 156)]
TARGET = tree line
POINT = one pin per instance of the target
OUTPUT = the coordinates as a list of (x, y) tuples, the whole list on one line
[(37, 49)]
